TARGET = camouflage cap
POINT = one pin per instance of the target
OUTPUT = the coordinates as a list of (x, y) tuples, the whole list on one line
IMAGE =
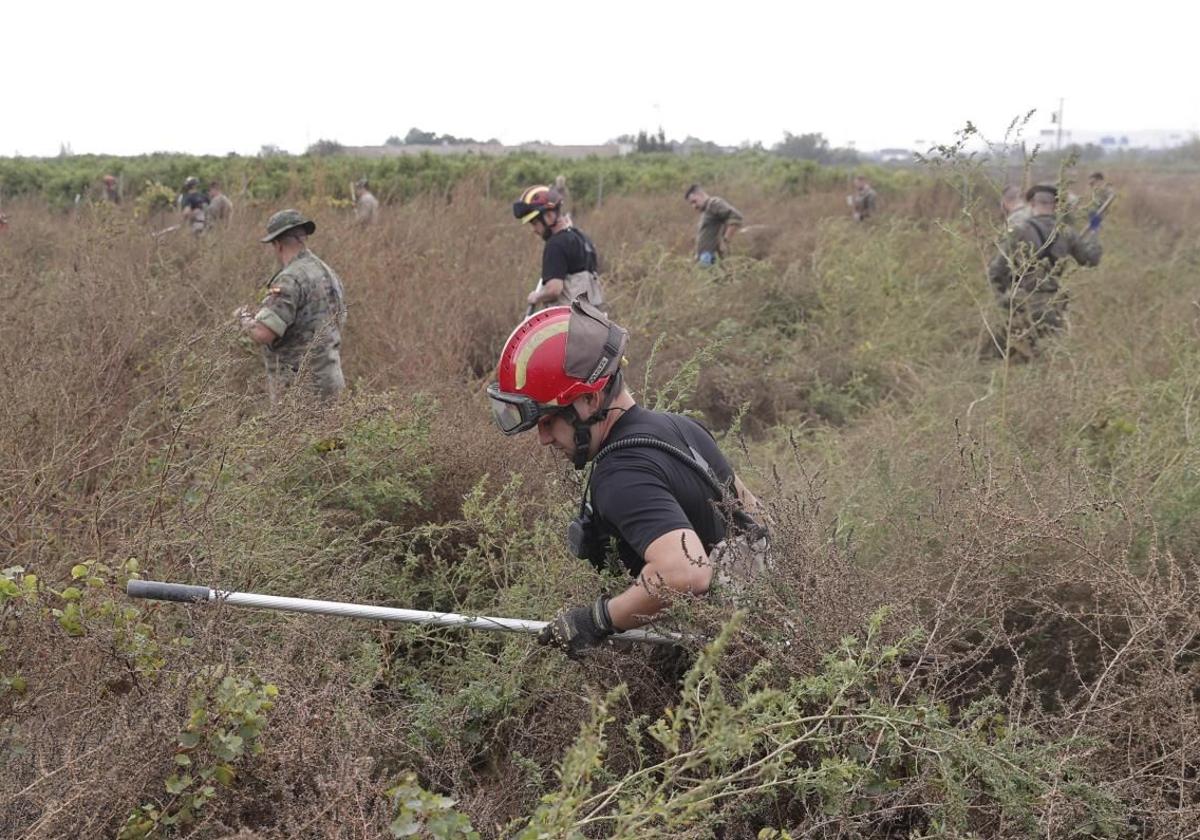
[(286, 220)]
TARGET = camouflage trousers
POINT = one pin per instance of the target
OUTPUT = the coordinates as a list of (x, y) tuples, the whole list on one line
[(321, 378), (1030, 320)]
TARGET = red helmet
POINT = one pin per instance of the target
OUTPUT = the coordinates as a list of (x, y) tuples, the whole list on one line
[(535, 201), (539, 375)]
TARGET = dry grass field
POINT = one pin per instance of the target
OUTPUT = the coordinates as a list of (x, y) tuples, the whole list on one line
[(983, 619)]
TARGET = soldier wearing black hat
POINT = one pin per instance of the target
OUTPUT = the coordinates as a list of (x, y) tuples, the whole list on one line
[(1026, 274)]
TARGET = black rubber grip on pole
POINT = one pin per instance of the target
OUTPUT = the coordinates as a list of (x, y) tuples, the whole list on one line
[(157, 591)]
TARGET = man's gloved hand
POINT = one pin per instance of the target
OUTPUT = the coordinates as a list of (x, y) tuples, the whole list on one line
[(576, 629), (1094, 220)]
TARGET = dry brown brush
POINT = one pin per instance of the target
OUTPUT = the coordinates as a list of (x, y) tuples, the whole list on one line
[(982, 619)]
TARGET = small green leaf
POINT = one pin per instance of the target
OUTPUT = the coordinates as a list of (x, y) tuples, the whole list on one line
[(71, 594), (178, 784), (404, 826), (182, 759), (78, 570), (224, 774)]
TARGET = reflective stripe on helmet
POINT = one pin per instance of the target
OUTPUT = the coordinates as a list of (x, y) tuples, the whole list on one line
[(532, 342), (531, 193)]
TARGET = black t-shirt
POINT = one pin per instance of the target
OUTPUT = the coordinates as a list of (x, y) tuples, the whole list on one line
[(193, 201), (641, 493), (567, 252)]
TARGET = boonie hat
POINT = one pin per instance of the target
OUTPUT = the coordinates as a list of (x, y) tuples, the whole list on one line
[(286, 220)]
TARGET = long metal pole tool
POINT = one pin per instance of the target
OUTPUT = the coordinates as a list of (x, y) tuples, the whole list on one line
[(184, 593), (529, 308)]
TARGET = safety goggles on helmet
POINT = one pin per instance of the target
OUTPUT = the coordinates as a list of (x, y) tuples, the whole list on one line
[(516, 413), (534, 202)]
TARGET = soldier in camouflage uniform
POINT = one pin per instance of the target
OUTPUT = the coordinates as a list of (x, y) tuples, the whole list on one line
[(719, 222), (366, 205), (862, 201), (1016, 210), (560, 187), (220, 208), (299, 323), (1026, 274), (112, 190), (1102, 193)]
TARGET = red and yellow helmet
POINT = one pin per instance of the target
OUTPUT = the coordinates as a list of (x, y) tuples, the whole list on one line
[(535, 201), (532, 379)]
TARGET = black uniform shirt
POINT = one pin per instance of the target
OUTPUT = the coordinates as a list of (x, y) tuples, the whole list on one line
[(640, 493), (193, 201), (567, 252)]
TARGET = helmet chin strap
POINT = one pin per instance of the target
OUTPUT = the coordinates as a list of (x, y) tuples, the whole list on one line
[(547, 228), (583, 428)]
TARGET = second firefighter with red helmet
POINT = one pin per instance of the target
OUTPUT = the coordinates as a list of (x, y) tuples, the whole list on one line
[(570, 265)]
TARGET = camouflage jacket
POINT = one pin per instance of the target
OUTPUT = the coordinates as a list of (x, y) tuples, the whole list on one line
[(305, 307), (863, 203), (1100, 195), (220, 208), (1018, 217), (1033, 255), (716, 216), (366, 208)]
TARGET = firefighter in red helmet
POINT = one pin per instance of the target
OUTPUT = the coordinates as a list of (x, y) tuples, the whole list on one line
[(570, 265), (660, 492)]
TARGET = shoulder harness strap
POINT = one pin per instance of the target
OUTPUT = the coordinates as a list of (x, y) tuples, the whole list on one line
[(694, 460)]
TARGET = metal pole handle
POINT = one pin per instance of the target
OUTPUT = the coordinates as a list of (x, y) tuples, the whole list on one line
[(529, 309), (183, 593)]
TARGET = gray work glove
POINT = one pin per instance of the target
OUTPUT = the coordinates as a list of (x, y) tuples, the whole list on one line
[(577, 629)]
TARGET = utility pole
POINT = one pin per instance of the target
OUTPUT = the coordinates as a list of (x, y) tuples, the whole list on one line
[(1058, 119)]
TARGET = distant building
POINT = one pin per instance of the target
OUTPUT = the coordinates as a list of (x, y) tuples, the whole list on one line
[(491, 149), (1113, 140)]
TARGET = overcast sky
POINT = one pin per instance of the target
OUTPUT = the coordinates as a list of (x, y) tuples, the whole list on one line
[(213, 76)]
